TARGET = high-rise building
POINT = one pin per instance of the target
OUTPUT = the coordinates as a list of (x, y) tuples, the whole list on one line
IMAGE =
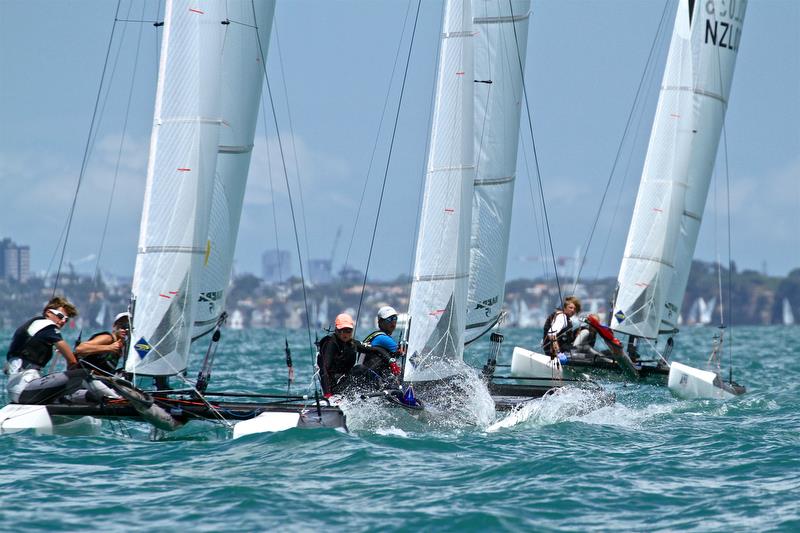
[(319, 270), (276, 266), (15, 261)]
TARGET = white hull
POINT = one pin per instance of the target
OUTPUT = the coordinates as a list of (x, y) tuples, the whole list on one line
[(15, 418), (528, 364), (692, 383)]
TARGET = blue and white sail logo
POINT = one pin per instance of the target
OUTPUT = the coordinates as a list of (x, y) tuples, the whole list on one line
[(620, 316), (142, 347)]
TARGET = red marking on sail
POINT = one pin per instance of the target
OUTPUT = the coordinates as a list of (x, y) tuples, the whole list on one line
[(449, 210), (437, 312), (643, 285), (165, 296), (674, 115), (173, 292), (658, 210), (193, 10), (461, 73), (184, 170)]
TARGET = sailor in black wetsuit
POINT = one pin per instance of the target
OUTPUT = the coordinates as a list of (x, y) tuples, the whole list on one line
[(558, 334), (384, 362), (31, 349), (337, 356), (101, 353)]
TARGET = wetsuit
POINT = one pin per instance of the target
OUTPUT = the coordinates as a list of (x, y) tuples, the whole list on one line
[(379, 361), (336, 359), (101, 363), (30, 350)]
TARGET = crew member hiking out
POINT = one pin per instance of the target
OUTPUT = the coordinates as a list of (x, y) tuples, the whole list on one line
[(101, 353), (558, 335), (31, 349)]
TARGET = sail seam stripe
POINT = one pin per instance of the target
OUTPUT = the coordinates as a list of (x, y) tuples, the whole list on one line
[(447, 169), (172, 249), (440, 277), (481, 324), (701, 92), (653, 259), (189, 120), (457, 34), (494, 181), (500, 20)]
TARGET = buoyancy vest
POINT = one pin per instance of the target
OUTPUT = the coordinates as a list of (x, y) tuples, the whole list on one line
[(106, 362), (35, 350), (565, 336)]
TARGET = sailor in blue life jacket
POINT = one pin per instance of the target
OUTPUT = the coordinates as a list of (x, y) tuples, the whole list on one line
[(558, 335), (31, 349), (100, 354), (384, 362)]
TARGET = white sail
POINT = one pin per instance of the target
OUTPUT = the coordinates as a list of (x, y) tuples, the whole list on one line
[(242, 81), (180, 176), (439, 287), (501, 37), (787, 316), (677, 170)]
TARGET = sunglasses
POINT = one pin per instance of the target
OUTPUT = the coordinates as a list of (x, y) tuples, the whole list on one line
[(59, 314), (390, 319)]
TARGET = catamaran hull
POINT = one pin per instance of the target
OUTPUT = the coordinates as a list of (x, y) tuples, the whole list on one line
[(692, 383), (87, 419), (532, 365)]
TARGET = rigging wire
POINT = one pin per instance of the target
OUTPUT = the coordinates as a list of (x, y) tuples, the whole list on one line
[(294, 154), (288, 187), (388, 159), (119, 153), (377, 136), (86, 151), (636, 100), (535, 155)]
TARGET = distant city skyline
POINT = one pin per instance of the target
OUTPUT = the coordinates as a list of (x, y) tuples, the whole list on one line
[(585, 60)]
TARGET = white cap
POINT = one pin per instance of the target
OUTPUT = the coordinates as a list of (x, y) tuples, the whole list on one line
[(385, 312), (121, 316)]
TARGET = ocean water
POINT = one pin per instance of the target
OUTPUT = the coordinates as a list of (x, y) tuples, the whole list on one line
[(648, 462)]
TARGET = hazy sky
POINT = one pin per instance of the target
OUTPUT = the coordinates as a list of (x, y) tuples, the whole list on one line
[(585, 60)]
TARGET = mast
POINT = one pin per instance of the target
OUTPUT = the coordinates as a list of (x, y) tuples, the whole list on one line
[(180, 175), (500, 44), (242, 82), (677, 170), (439, 285)]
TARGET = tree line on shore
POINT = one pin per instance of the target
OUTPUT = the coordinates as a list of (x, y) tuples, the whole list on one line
[(755, 298)]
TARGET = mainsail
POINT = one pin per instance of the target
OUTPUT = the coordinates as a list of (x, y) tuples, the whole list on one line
[(241, 85), (439, 287), (501, 36), (677, 170), (208, 88)]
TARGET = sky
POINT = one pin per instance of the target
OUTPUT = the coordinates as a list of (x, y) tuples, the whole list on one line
[(330, 67)]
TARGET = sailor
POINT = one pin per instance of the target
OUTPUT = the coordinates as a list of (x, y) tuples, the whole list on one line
[(585, 338), (337, 356), (101, 353), (384, 361), (31, 349), (558, 334)]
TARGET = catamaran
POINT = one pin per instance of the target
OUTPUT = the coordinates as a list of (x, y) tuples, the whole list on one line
[(669, 207), (209, 86)]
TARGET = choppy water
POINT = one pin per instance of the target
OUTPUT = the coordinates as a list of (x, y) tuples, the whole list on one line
[(649, 462)]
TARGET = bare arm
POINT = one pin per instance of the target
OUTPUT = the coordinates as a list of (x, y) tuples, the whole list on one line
[(66, 351), (99, 344)]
